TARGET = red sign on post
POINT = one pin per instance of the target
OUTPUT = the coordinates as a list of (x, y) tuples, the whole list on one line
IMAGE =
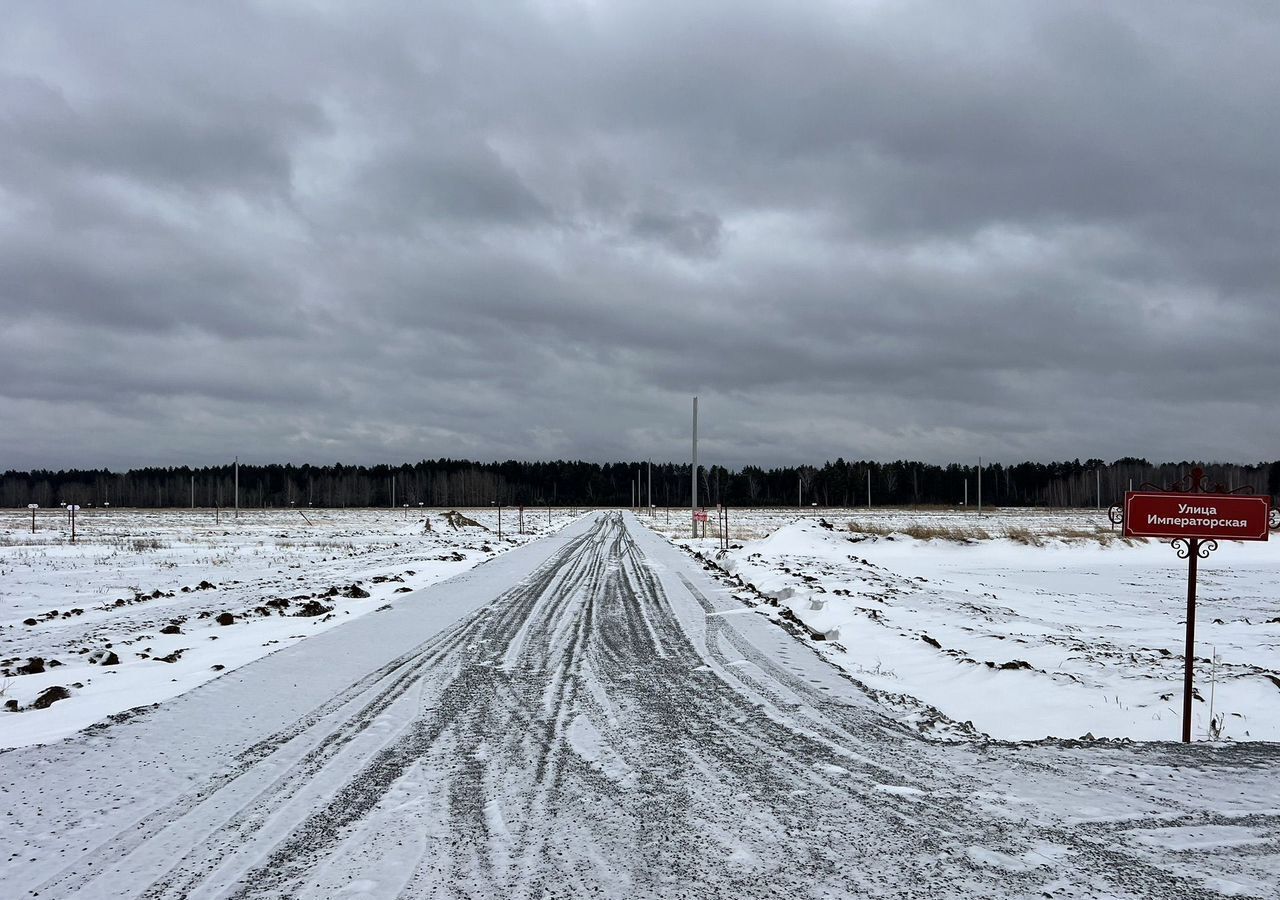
[(700, 516), (1224, 517), (1195, 520)]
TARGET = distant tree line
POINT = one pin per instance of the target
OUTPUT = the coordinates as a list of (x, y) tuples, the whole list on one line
[(450, 482)]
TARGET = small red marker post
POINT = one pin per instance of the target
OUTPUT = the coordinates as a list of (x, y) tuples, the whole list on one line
[(1193, 516)]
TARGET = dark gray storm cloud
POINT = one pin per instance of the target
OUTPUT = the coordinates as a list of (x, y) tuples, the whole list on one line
[(318, 231)]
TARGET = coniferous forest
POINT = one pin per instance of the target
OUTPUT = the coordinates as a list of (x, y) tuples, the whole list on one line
[(450, 482)]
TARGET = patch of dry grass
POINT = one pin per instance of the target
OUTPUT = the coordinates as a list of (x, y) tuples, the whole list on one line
[(1101, 534), (869, 528), (961, 533), (1024, 536), (924, 531)]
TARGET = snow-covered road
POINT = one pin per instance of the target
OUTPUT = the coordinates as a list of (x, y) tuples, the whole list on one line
[(590, 715)]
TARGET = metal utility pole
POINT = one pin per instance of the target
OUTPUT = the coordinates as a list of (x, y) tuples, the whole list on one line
[(393, 491), (693, 496), (868, 487), (966, 492), (237, 487), (650, 491), (800, 491), (1097, 477), (193, 492), (1189, 664)]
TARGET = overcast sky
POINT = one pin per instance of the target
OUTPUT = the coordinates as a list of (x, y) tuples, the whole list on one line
[(323, 231)]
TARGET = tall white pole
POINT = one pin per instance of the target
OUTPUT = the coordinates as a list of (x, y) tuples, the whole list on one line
[(868, 487), (650, 491), (979, 485), (392, 479), (1097, 473), (693, 495), (799, 490), (193, 492), (237, 487)]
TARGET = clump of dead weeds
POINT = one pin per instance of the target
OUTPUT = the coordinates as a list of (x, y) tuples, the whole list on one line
[(925, 531)]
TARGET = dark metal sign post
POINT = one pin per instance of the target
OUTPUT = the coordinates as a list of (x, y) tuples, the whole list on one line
[(1193, 516)]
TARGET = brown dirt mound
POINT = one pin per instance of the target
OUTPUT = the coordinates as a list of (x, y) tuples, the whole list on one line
[(458, 520)]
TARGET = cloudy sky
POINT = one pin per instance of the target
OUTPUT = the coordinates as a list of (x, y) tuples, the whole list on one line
[(319, 231)]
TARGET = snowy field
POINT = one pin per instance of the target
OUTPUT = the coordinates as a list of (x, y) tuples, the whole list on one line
[(149, 604), (595, 715), (1017, 625)]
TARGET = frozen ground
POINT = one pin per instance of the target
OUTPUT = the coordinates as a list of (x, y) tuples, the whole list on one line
[(1024, 624), (595, 715), (134, 575)]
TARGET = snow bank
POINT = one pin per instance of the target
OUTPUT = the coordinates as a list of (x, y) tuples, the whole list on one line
[(1029, 638)]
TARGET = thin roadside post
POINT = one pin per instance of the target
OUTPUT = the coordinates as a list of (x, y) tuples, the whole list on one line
[(693, 495), (1189, 666)]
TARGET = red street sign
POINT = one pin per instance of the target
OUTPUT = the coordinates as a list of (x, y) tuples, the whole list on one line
[(1228, 517), (700, 516)]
